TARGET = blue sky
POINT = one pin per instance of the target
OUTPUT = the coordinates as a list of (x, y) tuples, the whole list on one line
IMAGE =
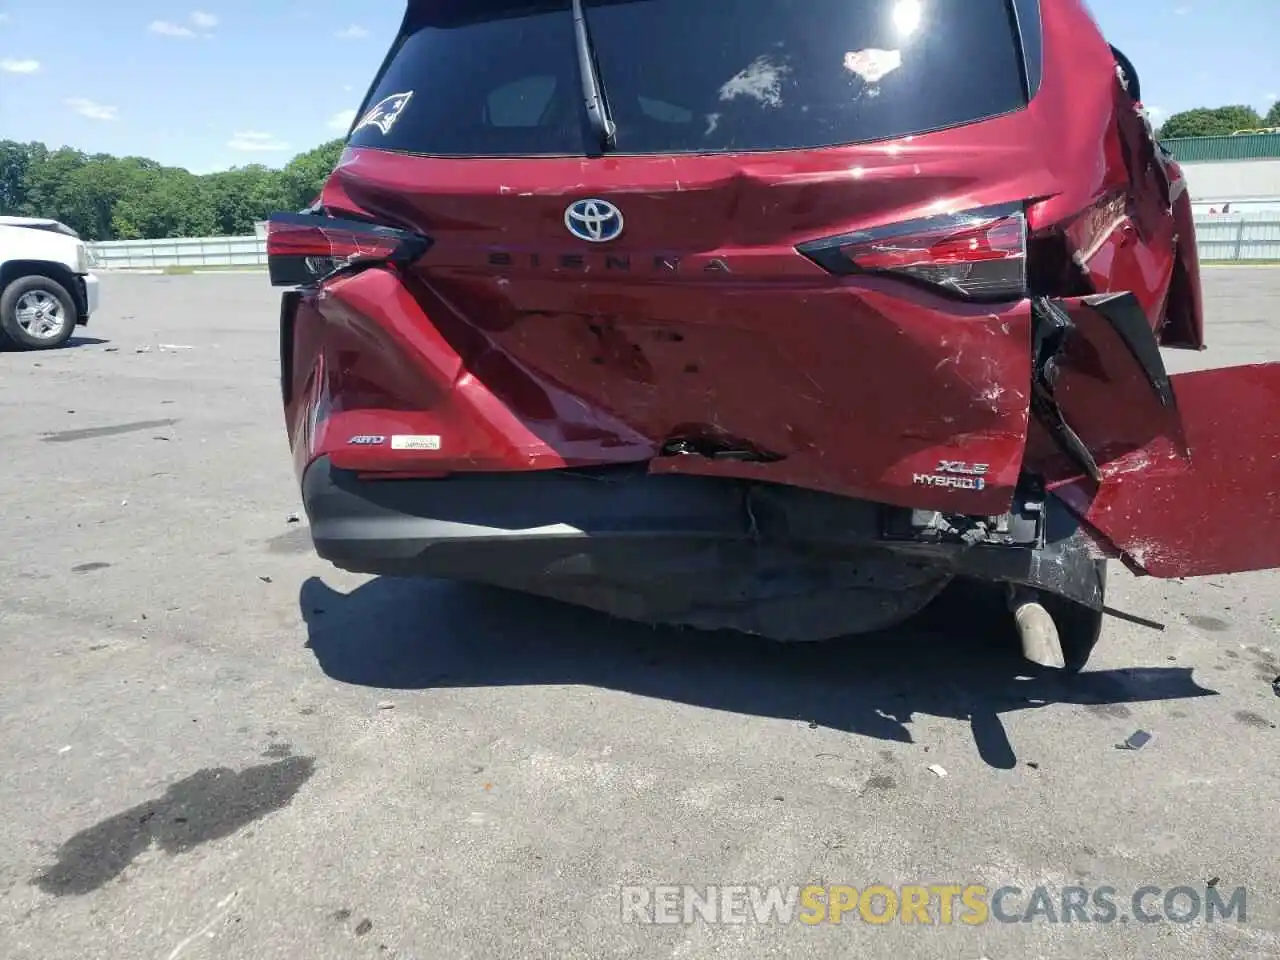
[(241, 81)]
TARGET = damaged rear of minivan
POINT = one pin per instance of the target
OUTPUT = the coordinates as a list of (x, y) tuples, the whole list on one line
[(764, 316)]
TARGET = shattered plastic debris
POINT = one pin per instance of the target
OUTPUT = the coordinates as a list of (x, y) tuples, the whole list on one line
[(1137, 740), (386, 705), (1275, 686), (937, 770), (293, 518)]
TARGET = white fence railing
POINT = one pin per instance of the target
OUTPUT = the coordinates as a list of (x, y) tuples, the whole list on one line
[(1238, 236), (186, 252), (1220, 237)]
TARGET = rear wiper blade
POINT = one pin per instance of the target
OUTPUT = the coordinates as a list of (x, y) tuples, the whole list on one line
[(592, 88)]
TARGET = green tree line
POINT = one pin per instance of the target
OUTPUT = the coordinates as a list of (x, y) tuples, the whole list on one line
[(129, 198), (1218, 121)]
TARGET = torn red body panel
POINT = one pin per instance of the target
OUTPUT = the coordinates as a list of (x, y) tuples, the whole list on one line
[(1178, 474), (1109, 381), (1214, 511)]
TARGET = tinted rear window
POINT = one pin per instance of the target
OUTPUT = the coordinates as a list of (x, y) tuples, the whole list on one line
[(501, 79)]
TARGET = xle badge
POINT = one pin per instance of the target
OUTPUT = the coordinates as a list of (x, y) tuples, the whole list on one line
[(955, 474)]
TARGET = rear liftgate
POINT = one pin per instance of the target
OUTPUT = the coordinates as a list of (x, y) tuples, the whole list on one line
[(1176, 475)]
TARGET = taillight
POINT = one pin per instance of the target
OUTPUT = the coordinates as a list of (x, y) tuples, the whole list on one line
[(305, 248), (979, 254)]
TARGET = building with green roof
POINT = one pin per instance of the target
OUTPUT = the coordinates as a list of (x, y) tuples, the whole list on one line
[(1240, 172)]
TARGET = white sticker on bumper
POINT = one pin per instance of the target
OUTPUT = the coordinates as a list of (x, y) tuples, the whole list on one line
[(415, 443)]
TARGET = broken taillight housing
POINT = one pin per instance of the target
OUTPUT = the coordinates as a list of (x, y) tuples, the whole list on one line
[(305, 248), (978, 254)]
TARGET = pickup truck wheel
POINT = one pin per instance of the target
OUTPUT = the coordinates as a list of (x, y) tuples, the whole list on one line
[(37, 313)]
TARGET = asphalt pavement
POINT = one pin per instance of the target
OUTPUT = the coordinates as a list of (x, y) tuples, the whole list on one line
[(216, 746)]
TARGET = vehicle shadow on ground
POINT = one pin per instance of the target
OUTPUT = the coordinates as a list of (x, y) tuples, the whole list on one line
[(6, 347), (957, 660), (86, 342)]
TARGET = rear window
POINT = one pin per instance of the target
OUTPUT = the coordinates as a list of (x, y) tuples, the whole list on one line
[(491, 78)]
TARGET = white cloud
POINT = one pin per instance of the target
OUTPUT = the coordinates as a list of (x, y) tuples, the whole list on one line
[(1183, 10), (1155, 111), (353, 32), (341, 121), (1272, 98), (205, 21), (254, 142), (3, 17), (19, 66), (91, 109), (166, 29)]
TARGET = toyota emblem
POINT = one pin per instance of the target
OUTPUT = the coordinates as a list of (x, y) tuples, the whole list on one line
[(596, 221)]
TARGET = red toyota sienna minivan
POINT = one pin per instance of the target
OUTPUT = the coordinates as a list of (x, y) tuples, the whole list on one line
[(765, 315)]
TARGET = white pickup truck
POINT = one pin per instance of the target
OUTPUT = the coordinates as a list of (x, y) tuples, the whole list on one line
[(46, 288)]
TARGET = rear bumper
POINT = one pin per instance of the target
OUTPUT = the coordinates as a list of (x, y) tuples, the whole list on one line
[(623, 525), (492, 525)]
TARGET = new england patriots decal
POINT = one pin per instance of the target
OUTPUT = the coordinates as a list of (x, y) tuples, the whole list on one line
[(385, 112)]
